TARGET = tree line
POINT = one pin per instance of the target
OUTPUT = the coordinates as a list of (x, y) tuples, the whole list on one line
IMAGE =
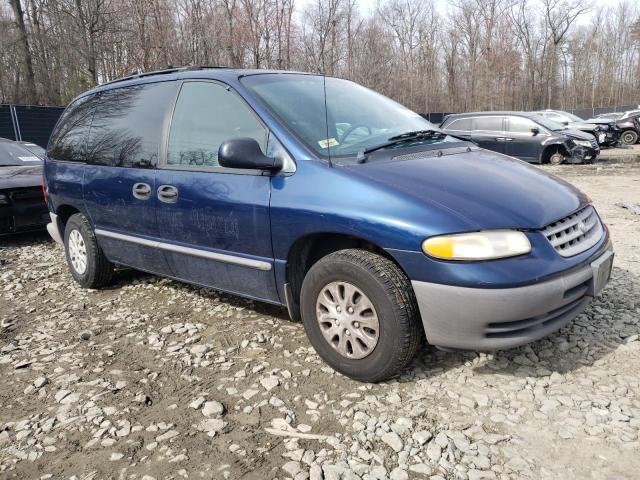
[(468, 55)]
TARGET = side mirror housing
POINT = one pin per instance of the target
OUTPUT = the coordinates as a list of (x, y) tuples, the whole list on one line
[(535, 131), (246, 153)]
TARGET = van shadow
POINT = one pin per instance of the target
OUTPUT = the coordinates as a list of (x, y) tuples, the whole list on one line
[(128, 276), (608, 322)]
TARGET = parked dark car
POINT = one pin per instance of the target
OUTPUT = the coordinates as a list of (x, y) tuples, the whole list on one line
[(607, 133), (628, 123), (22, 205), (320, 195), (526, 136)]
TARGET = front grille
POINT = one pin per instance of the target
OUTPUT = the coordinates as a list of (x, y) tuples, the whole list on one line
[(576, 233), (28, 194), (594, 143)]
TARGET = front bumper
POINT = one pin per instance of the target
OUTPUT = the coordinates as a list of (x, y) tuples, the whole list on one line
[(491, 319), (23, 217), (581, 154)]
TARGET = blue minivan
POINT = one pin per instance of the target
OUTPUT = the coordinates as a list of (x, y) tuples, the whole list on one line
[(374, 227)]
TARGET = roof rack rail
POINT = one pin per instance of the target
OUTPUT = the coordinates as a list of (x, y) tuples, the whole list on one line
[(164, 71)]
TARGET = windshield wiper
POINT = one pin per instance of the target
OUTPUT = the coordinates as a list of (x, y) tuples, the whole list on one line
[(399, 139)]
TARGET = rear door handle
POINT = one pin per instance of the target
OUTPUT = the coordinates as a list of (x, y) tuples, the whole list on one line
[(504, 139), (142, 191), (167, 194)]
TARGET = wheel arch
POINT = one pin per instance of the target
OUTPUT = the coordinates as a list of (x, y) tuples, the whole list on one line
[(307, 250), (549, 149), (64, 212)]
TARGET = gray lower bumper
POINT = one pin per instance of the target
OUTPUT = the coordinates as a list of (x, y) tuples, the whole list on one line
[(54, 228), (492, 319)]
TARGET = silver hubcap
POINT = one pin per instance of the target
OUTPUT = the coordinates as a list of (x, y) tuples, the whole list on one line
[(77, 252), (628, 138), (556, 159), (348, 321)]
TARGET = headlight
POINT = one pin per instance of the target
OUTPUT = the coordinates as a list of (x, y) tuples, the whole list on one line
[(4, 199), (583, 143), (477, 245)]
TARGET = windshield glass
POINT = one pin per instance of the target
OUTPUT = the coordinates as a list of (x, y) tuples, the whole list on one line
[(572, 117), (355, 118), (548, 124), (14, 154), (37, 150)]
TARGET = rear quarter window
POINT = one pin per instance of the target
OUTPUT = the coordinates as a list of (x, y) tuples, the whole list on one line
[(68, 140), (461, 124), (127, 125), (491, 124)]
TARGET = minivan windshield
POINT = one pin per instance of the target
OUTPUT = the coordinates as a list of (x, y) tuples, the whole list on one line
[(349, 120), (548, 124)]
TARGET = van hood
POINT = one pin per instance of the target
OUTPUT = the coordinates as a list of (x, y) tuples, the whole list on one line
[(480, 189)]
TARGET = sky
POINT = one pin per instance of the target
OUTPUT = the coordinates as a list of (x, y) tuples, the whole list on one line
[(369, 6)]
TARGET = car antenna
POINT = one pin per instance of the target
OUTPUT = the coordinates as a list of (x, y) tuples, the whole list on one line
[(326, 115)]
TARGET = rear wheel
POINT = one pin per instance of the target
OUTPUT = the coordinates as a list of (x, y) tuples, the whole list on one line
[(629, 137), (360, 314), (88, 265)]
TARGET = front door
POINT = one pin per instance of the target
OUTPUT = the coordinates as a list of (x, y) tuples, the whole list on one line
[(213, 221), (120, 176), (524, 143), (489, 132)]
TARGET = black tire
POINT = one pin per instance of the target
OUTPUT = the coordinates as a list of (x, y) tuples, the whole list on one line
[(629, 137), (391, 294), (99, 270)]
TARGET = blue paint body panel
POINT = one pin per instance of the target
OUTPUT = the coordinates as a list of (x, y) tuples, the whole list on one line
[(222, 212), (394, 204)]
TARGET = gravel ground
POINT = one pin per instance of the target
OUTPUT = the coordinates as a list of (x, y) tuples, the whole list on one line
[(155, 379)]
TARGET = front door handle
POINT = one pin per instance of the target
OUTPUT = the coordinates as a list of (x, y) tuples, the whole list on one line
[(142, 191), (167, 194)]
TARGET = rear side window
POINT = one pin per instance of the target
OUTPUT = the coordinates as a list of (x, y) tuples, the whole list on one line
[(521, 125), (492, 124), (69, 138), (207, 114), (462, 124), (127, 125)]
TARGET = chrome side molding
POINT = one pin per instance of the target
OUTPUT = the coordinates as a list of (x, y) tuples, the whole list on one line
[(195, 252)]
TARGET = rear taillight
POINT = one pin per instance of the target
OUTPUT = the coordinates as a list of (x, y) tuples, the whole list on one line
[(45, 193)]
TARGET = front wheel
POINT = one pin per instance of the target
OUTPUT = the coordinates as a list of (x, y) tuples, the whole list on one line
[(88, 265), (361, 315), (556, 158), (629, 137)]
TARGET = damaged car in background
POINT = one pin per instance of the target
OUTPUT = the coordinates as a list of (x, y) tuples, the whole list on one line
[(627, 122), (522, 135), (606, 132), (22, 204)]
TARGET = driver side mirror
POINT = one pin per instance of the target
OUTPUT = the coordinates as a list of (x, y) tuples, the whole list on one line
[(246, 153), (535, 131)]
